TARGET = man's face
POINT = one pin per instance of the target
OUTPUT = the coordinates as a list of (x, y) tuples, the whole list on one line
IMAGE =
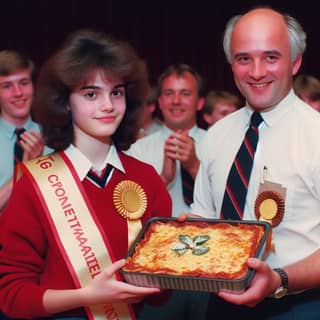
[(261, 58), (221, 109), (179, 101), (16, 94)]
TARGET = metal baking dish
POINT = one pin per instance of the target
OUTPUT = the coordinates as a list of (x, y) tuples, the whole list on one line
[(167, 281)]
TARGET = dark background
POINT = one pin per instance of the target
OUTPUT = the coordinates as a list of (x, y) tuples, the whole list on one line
[(163, 32)]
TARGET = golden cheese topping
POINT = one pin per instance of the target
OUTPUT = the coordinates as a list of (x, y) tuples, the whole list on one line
[(214, 250)]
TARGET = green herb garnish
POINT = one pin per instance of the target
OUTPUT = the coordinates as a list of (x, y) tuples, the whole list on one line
[(195, 244)]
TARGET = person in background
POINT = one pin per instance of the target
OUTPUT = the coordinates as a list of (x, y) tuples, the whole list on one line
[(265, 49), (307, 87), (176, 145), (172, 150), (70, 211), (150, 120), (218, 104), (16, 95)]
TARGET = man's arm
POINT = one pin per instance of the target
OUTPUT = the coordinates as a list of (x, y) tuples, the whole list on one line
[(305, 273), (32, 144), (302, 275)]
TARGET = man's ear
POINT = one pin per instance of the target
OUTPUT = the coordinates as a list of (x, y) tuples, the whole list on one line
[(207, 118), (201, 104), (296, 65)]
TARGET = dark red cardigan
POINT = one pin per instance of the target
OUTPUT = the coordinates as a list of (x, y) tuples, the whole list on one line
[(30, 261)]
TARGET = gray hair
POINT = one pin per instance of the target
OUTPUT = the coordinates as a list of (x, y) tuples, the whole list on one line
[(297, 36)]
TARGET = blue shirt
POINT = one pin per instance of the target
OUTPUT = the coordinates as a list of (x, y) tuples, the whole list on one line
[(7, 140)]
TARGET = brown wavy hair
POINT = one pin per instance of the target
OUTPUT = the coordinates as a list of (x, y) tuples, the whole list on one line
[(85, 52)]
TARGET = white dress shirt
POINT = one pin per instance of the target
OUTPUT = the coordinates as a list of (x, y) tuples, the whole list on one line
[(82, 164), (289, 149), (151, 150)]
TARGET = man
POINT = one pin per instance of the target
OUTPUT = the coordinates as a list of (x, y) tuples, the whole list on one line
[(176, 144), (265, 50), (307, 87), (16, 94), (218, 104)]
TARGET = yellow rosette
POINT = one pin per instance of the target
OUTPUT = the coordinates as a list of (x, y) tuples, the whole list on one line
[(130, 201), (269, 206)]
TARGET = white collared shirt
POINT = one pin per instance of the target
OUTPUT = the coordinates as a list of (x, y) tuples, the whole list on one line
[(82, 164), (151, 150), (289, 149)]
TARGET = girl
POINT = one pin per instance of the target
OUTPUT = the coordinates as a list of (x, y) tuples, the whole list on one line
[(74, 213)]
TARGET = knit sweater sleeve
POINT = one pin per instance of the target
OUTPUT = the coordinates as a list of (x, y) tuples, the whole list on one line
[(22, 254)]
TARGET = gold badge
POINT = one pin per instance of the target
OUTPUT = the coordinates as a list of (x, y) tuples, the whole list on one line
[(130, 200), (269, 206)]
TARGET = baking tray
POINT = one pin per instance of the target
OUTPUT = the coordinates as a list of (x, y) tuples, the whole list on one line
[(167, 281)]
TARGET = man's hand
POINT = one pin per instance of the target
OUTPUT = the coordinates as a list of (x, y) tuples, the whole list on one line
[(184, 216), (180, 146), (168, 169), (263, 284), (32, 144)]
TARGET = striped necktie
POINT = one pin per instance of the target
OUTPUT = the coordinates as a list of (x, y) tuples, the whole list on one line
[(18, 150), (100, 179), (187, 186), (239, 175)]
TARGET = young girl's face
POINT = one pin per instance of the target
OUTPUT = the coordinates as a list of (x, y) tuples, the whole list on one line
[(97, 108)]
